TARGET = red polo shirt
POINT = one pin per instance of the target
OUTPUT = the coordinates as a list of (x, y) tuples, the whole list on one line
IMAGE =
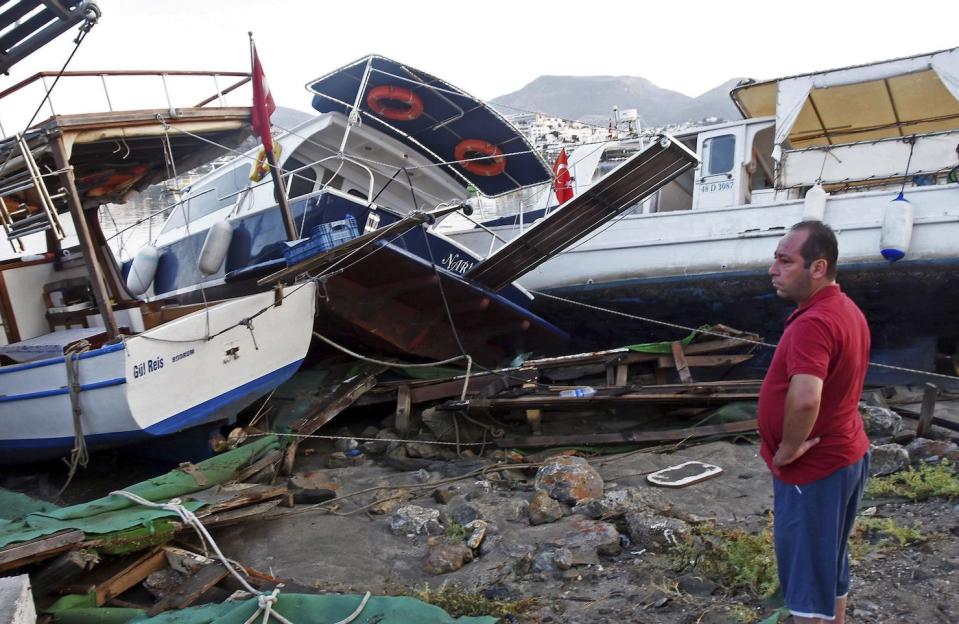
[(826, 337)]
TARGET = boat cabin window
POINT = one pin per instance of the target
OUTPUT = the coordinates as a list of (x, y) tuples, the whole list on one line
[(719, 153), (303, 178), (210, 196)]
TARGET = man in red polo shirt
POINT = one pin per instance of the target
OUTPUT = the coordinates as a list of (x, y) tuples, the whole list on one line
[(812, 434)]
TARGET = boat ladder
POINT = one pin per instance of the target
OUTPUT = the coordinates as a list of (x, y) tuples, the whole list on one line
[(28, 219)]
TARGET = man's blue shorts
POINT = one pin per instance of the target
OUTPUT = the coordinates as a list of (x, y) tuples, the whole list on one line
[(811, 531)]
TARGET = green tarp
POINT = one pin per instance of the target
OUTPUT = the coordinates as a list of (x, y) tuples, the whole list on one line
[(114, 513), (298, 608)]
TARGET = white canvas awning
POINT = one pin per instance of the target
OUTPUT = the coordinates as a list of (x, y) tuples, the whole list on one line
[(913, 95)]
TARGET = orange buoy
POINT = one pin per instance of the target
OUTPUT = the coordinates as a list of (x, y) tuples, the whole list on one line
[(394, 103), (493, 162)]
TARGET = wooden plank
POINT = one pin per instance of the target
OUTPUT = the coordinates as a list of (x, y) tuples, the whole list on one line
[(403, 409), (345, 396), (599, 401), (16, 555), (694, 361), (236, 516), (270, 459), (133, 573), (244, 497), (194, 587), (930, 392), (635, 437), (60, 571), (682, 367)]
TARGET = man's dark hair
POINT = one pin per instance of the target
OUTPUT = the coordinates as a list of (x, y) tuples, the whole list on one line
[(820, 243)]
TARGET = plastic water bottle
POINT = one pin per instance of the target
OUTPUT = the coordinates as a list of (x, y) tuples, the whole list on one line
[(584, 391)]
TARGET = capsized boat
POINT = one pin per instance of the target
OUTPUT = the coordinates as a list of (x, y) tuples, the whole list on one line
[(870, 150), (383, 147), (390, 141), (84, 362)]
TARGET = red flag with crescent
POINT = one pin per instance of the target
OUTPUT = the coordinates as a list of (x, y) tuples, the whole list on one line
[(562, 180), (263, 104)]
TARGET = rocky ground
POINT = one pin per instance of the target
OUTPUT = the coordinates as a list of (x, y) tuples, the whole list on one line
[(579, 537), (588, 539)]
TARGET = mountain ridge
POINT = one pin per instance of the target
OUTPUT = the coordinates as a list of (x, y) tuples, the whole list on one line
[(590, 99)]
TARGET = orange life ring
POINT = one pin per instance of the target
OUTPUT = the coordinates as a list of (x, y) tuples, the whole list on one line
[(382, 100), (468, 149)]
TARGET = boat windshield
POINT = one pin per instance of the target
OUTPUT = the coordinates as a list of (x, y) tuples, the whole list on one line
[(209, 196)]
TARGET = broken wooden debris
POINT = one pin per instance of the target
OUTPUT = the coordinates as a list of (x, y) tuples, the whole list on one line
[(628, 437), (929, 395), (20, 554)]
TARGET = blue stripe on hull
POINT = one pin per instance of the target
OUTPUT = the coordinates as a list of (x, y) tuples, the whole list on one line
[(218, 408)]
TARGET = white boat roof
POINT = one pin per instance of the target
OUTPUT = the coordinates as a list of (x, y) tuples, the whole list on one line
[(899, 97)]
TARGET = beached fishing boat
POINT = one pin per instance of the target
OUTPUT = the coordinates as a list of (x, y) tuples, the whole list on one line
[(390, 141), (84, 363), (871, 150)]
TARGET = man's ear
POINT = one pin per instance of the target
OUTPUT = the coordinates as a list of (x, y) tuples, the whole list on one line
[(819, 268)]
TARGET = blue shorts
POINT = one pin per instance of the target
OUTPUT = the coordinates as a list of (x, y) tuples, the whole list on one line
[(811, 532)]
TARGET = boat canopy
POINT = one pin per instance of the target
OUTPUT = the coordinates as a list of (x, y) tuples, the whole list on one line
[(901, 97), (28, 25), (435, 118)]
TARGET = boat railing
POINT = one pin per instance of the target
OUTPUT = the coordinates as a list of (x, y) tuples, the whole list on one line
[(887, 159), (121, 90)]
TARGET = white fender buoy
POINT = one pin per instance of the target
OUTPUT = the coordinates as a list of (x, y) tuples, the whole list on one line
[(896, 229), (215, 247), (143, 270), (814, 206)]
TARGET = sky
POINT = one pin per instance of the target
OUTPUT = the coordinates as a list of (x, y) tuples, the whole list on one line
[(494, 47)]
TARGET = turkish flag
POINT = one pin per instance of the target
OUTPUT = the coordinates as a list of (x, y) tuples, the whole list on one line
[(562, 180), (263, 104)]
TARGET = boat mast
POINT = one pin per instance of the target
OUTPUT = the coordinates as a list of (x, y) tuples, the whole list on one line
[(100, 294)]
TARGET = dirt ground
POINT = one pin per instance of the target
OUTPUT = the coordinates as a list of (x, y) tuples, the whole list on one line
[(610, 578)]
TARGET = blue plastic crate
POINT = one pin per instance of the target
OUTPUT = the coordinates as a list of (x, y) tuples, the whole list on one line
[(324, 237)]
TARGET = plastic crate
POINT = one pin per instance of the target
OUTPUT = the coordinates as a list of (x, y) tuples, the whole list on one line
[(324, 237)]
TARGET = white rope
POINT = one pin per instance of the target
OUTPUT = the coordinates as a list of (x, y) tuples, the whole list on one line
[(190, 519), (265, 601), (725, 336)]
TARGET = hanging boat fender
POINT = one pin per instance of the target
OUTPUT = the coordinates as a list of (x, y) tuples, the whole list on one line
[(814, 205), (896, 229), (467, 149), (142, 270), (383, 101), (215, 246)]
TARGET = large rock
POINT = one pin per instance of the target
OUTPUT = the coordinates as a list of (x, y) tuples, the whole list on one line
[(887, 459), (924, 449), (655, 532), (569, 480), (515, 509), (880, 422), (612, 504), (416, 520), (592, 535), (544, 509), (444, 558)]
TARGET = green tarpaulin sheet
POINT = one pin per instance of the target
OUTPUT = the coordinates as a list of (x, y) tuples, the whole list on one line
[(115, 513), (298, 608)]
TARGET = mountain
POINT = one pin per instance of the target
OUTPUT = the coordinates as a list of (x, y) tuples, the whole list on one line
[(591, 99)]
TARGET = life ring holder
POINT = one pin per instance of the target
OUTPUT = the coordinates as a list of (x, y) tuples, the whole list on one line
[(469, 149), (262, 166), (379, 99)]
